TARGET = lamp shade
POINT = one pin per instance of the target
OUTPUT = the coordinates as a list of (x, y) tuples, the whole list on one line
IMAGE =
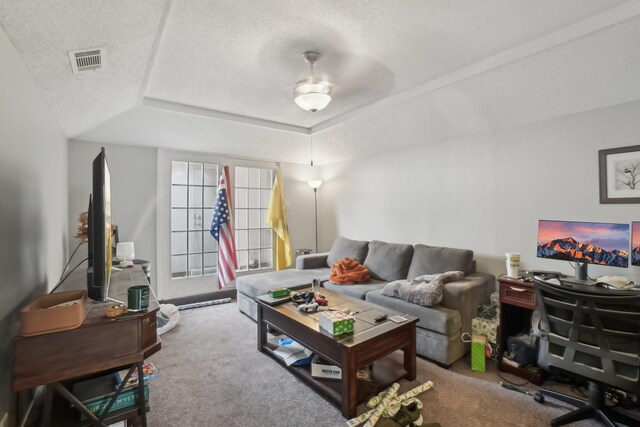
[(315, 184), (125, 251)]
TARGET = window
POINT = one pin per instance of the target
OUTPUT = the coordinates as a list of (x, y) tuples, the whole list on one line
[(187, 190), (194, 186), (194, 252), (254, 240)]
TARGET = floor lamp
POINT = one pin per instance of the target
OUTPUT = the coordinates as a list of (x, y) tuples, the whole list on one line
[(315, 184)]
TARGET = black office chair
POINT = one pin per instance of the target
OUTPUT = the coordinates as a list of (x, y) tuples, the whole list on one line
[(594, 333)]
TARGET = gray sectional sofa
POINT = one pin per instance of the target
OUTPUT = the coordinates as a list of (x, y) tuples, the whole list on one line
[(439, 327)]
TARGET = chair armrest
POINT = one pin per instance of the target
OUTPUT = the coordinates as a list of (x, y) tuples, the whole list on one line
[(306, 262), (466, 294)]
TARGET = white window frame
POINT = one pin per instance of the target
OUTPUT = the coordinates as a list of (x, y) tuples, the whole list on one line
[(167, 287)]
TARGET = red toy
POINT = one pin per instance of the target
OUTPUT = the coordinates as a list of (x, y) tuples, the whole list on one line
[(321, 301)]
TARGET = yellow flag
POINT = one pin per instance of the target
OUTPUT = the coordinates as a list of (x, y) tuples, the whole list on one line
[(277, 220)]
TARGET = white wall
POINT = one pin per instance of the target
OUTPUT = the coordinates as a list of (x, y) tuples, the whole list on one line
[(133, 194), (483, 192), (33, 212), (299, 196)]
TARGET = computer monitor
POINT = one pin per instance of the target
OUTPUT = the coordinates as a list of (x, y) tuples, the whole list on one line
[(635, 243), (584, 243), (99, 271)]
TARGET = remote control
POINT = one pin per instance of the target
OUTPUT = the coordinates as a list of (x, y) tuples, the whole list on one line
[(380, 318)]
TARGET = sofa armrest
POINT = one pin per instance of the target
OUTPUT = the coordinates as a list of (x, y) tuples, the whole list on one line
[(466, 294), (306, 262)]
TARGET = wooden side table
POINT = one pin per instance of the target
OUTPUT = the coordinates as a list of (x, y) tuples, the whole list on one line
[(517, 303)]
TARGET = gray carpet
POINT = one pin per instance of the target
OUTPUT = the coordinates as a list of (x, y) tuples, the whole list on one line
[(211, 374)]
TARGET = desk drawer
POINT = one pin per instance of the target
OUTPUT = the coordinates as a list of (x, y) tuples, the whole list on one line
[(519, 295)]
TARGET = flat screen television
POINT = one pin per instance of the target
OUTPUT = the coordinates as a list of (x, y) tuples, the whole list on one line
[(99, 235), (584, 243), (635, 243)]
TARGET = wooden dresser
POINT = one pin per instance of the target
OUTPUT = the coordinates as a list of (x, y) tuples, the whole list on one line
[(517, 303), (100, 344)]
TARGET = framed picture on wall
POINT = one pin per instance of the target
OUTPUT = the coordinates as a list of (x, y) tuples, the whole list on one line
[(620, 175)]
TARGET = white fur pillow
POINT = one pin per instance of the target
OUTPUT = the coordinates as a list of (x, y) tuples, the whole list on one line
[(423, 290)]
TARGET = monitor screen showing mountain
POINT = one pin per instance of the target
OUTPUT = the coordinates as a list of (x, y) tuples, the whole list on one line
[(635, 243), (584, 242)]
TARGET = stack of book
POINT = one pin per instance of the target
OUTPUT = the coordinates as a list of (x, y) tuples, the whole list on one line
[(96, 393)]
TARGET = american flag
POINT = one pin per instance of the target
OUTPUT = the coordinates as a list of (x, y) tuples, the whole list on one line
[(222, 231)]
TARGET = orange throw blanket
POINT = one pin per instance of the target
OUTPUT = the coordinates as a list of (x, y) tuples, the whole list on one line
[(348, 271)]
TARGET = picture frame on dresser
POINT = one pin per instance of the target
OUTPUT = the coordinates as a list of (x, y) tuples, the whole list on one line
[(619, 170)]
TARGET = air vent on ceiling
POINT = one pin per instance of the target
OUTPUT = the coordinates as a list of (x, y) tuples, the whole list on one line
[(87, 59)]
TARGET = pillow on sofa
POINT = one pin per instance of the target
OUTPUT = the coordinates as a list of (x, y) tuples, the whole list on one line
[(347, 248), (348, 271), (436, 259), (425, 290), (388, 261)]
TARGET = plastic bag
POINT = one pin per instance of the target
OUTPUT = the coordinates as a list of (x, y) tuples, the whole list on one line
[(167, 318)]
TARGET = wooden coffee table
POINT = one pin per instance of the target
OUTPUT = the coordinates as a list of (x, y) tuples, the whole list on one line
[(371, 342)]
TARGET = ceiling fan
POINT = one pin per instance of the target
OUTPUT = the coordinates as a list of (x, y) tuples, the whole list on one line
[(312, 94)]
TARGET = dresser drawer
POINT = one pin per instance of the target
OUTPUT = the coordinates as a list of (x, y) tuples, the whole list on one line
[(149, 330), (520, 295)]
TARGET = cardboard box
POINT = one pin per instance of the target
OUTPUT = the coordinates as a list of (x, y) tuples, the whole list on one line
[(53, 313), (321, 368), (487, 327), (336, 322)]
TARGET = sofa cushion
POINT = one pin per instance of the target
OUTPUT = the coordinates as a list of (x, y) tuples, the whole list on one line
[(347, 248), (357, 290), (259, 284), (388, 261), (437, 318), (435, 259), (306, 262)]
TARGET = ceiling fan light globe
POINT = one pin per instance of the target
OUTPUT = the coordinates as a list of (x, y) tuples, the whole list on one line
[(313, 101)]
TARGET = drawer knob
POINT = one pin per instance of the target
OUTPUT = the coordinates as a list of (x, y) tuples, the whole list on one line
[(513, 288)]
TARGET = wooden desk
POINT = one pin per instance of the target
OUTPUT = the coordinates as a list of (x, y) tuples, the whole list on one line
[(99, 344)]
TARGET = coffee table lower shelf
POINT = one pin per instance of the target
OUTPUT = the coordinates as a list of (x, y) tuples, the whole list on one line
[(385, 371)]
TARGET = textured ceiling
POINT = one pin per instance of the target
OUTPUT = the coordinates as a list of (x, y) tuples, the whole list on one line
[(244, 56), (43, 32), (218, 75)]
